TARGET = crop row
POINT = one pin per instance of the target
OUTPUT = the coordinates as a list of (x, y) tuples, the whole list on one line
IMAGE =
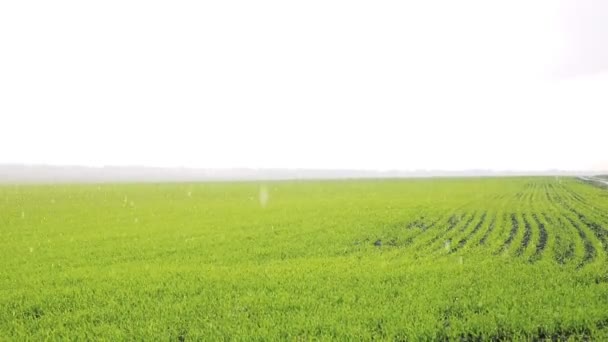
[(543, 221)]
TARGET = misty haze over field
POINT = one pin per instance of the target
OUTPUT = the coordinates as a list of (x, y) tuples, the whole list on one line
[(67, 174), (317, 85)]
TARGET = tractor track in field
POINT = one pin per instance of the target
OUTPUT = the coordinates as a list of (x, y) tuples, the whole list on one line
[(532, 220), (512, 233), (453, 220), (467, 223), (452, 223), (526, 238), (488, 231), (573, 194), (590, 248), (422, 229), (466, 226), (464, 240), (567, 217), (585, 203), (569, 252), (590, 251), (542, 239), (418, 224), (598, 230)]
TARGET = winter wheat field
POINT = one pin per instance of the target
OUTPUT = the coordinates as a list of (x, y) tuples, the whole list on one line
[(419, 259)]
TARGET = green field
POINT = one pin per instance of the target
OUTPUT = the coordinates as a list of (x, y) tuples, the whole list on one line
[(424, 259)]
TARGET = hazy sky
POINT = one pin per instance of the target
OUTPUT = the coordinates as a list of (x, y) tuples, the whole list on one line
[(315, 84)]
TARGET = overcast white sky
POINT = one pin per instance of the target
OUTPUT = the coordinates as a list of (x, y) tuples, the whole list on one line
[(519, 85)]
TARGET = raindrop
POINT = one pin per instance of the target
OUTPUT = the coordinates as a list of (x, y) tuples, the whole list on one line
[(263, 196)]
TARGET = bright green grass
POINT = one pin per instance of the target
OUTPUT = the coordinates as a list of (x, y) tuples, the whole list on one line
[(506, 258)]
